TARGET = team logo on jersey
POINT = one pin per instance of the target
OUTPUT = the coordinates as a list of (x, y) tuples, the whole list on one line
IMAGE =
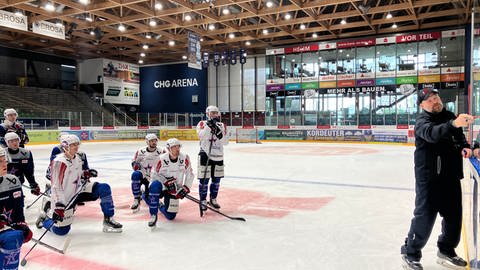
[(17, 194)]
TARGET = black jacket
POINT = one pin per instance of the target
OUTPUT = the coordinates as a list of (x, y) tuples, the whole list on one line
[(438, 153)]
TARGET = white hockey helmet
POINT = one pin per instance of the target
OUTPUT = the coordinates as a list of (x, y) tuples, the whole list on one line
[(9, 111), (69, 139), (172, 142), (11, 136), (150, 136), (60, 136), (3, 153), (212, 108)]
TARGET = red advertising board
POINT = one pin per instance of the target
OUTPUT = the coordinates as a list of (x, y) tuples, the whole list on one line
[(302, 48), (418, 37)]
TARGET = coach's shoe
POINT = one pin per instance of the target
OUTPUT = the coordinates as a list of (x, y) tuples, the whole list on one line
[(451, 260)]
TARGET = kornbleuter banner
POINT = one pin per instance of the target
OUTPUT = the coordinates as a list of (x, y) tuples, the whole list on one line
[(194, 54)]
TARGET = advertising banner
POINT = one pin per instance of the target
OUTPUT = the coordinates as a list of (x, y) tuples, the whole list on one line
[(284, 134), (181, 134), (194, 54), (49, 29), (121, 82), (43, 136), (359, 135), (11, 20)]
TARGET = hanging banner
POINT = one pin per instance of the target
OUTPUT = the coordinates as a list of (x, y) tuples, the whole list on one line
[(11, 20), (49, 29), (216, 59), (233, 57), (194, 54), (205, 60)]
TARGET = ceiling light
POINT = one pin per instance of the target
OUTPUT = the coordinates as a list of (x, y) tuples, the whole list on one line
[(184, 57), (92, 33), (201, 39), (49, 6), (88, 18), (84, 2), (211, 27), (394, 26), (265, 31), (18, 13), (59, 23), (171, 43), (288, 16), (140, 61), (269, 4), (121, 28), (343, 21), (225, 11), (145, 46), (152, 23), (188, 17), (158, 6), (302, 26), (314, 35), (142, 54), (389, 15), (148, 36), (231, 35), (248, 43)]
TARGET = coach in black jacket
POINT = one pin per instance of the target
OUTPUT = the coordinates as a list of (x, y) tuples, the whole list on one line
[(440, 145)]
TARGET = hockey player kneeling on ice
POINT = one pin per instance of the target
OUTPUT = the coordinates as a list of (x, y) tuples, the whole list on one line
[(13, 229), (68, 180), (21, 162), (173, 178), (142, 164)]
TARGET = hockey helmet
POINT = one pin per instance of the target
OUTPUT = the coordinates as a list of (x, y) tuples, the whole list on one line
[(3, 153), (150, 136), (69, 139), (9, 111), (172, 142), (60, 136), (212, 108), (11, 136)]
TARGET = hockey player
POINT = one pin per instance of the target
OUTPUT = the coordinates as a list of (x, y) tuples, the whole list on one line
[(213, 136), (173, 178), (143, 161), (68, 180), (13, 229), (11, 125), (21, 162)]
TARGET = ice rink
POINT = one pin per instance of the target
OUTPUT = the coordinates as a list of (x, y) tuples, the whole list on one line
[(308, 206)]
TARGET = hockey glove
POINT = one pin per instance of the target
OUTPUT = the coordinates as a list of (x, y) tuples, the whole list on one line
[(182, 192), (27, 233), (136, 166), (34, 188), (171, 185), (59, 212)]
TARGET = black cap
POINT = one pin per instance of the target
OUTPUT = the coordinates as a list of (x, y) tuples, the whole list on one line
[(425, 94)]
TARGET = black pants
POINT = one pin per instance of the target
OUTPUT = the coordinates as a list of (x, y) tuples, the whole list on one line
[(440, 196)]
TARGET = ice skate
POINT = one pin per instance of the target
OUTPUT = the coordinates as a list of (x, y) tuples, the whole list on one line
[(153, 221), (136, 205), (213, 202), (41, 218), (409, 264), (111, 226), (203, 205), (451, 261)]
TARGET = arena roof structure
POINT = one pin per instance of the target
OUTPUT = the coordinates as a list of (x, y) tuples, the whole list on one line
[(123, 29)]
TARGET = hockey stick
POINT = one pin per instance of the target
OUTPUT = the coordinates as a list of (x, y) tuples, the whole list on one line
[(70, 203), (40, 193), (193, 199), (38, 198), (61, 251), (206, 169)]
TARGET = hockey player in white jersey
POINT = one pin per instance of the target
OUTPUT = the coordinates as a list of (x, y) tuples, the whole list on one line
[(143, 162), (213, 136), (172, 180), (68, 180)]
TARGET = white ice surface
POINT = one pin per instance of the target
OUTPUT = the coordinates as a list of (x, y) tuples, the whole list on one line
[(308, 206)]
